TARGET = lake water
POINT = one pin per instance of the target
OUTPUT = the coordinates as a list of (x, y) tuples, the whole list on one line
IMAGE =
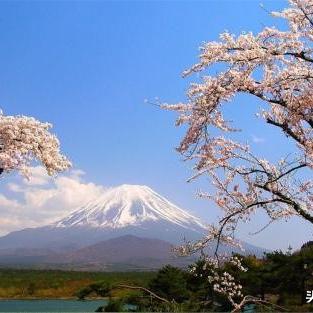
[(50, 305)]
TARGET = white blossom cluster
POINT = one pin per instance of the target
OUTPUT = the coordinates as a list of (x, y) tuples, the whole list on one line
[(24, 139), (227, 285), (223, 282), (237, 262)]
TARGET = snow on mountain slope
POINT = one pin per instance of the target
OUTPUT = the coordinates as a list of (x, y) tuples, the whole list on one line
[(129, 205)]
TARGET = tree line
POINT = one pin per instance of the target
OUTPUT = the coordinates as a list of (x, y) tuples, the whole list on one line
[(280, 280)]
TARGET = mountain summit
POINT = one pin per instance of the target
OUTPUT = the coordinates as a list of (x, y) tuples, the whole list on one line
[(129, 205)]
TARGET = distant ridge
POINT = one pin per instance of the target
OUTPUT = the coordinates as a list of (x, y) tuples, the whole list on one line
[(128, 252)]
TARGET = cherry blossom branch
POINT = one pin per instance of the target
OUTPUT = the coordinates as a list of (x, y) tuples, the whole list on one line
[(123, 286), (253, 300), (242, 181)]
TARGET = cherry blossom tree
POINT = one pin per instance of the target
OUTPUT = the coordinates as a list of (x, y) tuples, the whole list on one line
[(24, 140), (273, 66)]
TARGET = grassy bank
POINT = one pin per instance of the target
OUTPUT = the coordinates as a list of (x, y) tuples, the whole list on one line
[(30, 284)]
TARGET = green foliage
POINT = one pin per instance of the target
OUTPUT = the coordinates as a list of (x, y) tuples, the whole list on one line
[(286, 275), (185, 292), (170, 283), (282, 274), (101, 289)]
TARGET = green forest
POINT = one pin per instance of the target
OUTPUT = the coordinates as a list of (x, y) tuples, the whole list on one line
[(279, 279), (57, 284)]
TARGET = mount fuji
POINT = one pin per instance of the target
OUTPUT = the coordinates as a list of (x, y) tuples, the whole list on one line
[(127, 227), (130, 205), (124, 210)]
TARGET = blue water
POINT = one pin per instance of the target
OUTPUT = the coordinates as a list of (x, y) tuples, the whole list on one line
[(50, 305)]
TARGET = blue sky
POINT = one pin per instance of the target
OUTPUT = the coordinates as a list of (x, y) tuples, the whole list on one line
[(87, 68)]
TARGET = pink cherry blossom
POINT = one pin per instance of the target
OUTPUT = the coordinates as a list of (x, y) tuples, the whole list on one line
[(24, 139)]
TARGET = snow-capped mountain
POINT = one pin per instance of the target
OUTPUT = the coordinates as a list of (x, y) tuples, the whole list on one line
[(129, 205), (123, 210), (129, 223)]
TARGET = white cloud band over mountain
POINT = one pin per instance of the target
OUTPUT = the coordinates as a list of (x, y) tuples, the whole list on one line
[(42, 199)]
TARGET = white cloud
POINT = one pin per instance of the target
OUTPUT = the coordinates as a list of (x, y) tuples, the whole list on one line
[(38, 177), (257, 139), (43, 199)]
